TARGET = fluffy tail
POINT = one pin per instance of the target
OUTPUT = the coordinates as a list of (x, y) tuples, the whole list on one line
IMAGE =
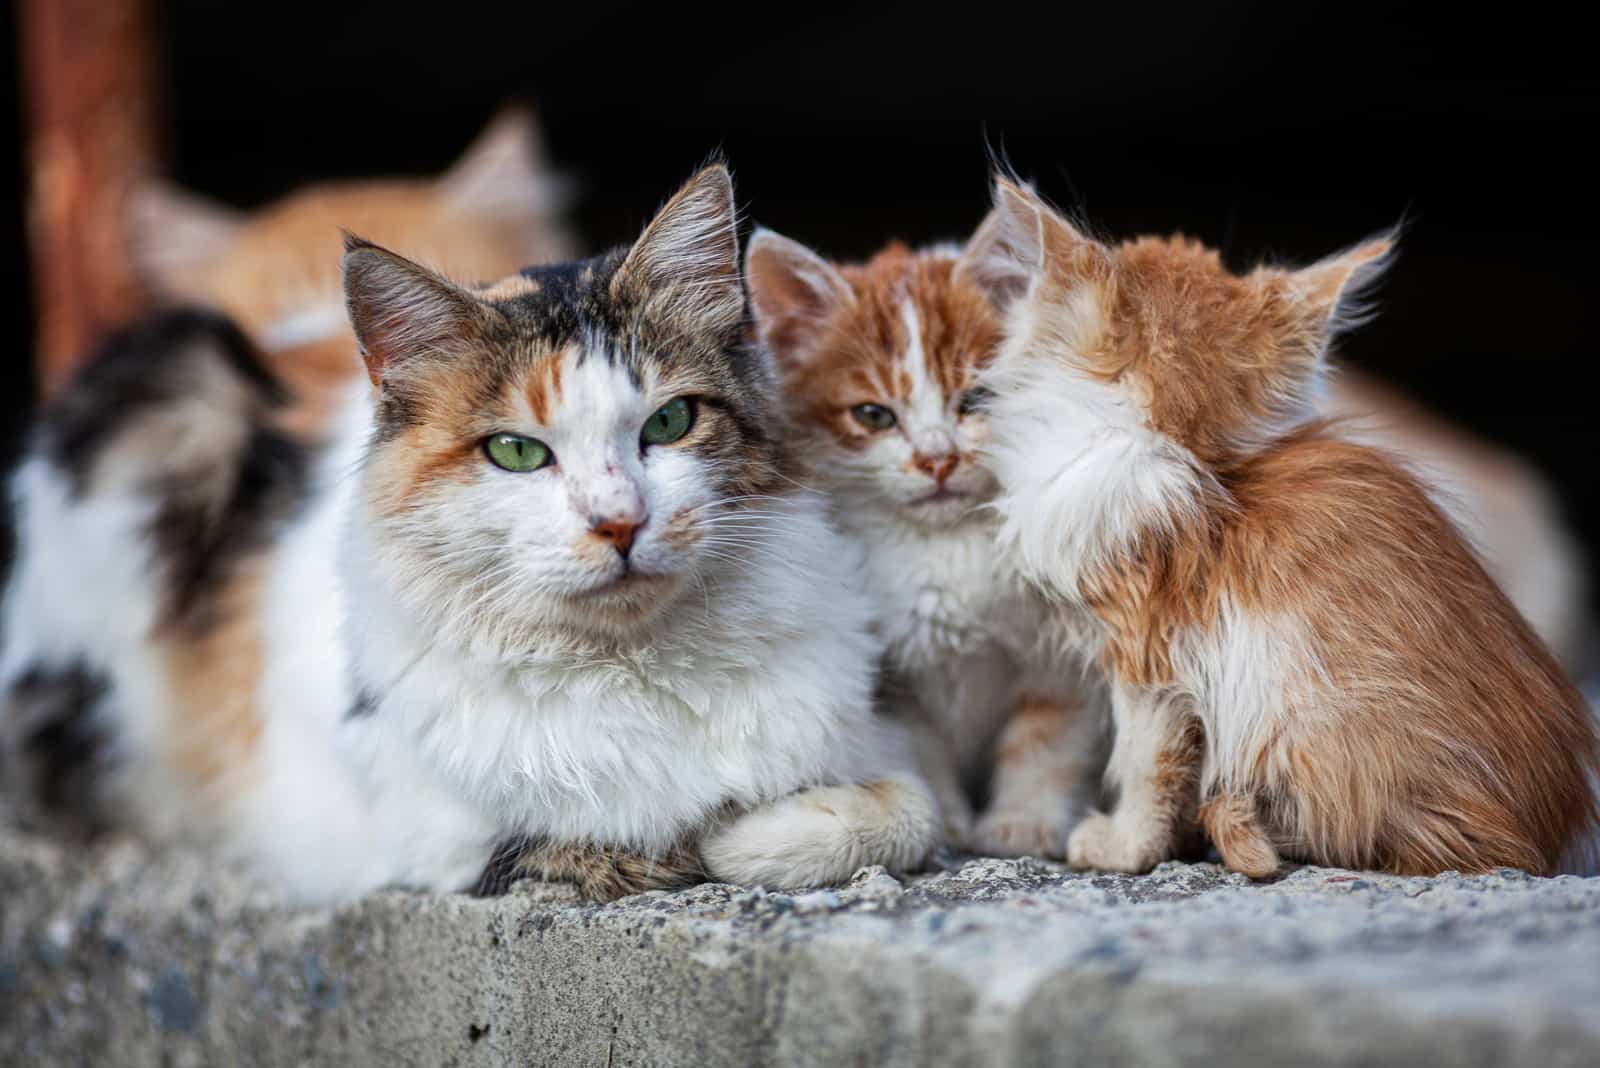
[(822, 835), (1233, 823)]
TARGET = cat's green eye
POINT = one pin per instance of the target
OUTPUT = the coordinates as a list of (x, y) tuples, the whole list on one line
[(516, 453), (670, 422), (873, 416)]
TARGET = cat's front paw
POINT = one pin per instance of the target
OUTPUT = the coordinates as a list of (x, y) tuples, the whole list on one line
[(1021, 832), (955, 817), (1105, 843)]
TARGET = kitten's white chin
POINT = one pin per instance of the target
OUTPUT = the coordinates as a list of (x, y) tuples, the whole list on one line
[(944, 509)]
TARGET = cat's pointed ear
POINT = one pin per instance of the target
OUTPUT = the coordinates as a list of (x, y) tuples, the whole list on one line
[(1022, 238), (794, 293), (507, 169), (405, 316), (1334, 294), (177, 237), (996, 261), (686, 263)]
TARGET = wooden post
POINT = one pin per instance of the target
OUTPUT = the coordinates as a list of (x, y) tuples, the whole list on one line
[(89, 94)]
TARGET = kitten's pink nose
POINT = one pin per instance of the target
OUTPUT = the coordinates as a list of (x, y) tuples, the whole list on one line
[(938, 467), (618, 530)]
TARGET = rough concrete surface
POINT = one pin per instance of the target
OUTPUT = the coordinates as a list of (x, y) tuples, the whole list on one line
[(117, 956)]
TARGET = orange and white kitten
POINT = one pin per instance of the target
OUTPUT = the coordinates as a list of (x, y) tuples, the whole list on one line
[(1303, 652), (275, 270), (880, 364)]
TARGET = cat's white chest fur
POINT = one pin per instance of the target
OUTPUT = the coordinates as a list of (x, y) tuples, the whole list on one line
[(639, 746), (959, 630)]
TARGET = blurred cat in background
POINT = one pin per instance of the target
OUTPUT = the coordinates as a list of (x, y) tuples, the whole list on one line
[(881, 363), (275, 270)]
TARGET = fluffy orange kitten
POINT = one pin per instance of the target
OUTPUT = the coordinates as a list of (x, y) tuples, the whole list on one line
[(275, 271), (1304, 654)]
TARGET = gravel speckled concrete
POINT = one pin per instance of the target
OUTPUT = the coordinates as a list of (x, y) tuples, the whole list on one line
[(113, 956)]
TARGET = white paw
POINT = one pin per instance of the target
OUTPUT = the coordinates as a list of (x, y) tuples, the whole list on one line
[(824, 834), (1021, 832), (955, 815), (1107, 844)]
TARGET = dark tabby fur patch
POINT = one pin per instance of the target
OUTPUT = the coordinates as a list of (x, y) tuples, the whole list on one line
[(139, 369), (601, 873), (216, 509), (55, 746)]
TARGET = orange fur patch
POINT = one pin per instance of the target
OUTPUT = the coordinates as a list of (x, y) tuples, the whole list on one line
[(544, 386), (214, 671)]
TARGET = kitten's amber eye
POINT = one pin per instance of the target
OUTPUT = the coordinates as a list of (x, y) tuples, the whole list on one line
[(513, 452), (670, 422), (873, 416), (974, 398)]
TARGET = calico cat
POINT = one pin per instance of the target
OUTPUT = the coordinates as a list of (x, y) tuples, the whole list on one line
[(880, 363), (1304, 654), (275, 271), (549, 602)]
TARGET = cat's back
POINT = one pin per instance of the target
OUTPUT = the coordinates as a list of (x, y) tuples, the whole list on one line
[(148, 504)]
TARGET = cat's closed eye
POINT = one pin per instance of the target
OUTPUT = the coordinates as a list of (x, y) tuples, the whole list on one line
[(974, 399)]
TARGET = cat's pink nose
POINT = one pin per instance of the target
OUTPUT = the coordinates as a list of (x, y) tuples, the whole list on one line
[(938, 467), (618, 530)]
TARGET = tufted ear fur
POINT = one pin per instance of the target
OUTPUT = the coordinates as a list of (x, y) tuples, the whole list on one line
[(687, 260), (1022, 238), (794, 294), (1334, 294), (402, 312)]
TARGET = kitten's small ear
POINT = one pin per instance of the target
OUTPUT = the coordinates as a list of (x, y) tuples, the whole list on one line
[(687, 259), (507, 169), (1335, 293), (794, 293), (1022, 238), (177, 237), (404, 315)]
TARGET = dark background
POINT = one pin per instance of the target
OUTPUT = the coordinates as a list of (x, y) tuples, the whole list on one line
[(1270, 129)]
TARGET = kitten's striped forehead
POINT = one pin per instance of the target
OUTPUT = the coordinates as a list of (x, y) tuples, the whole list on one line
[(917, 333)]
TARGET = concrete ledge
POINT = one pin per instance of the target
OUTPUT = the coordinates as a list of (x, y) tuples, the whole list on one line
[(115, 956)]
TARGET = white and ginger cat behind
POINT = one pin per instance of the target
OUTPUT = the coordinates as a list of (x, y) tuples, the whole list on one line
[(275, 270), (880, 363), (1304, 654), (548, 603)]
